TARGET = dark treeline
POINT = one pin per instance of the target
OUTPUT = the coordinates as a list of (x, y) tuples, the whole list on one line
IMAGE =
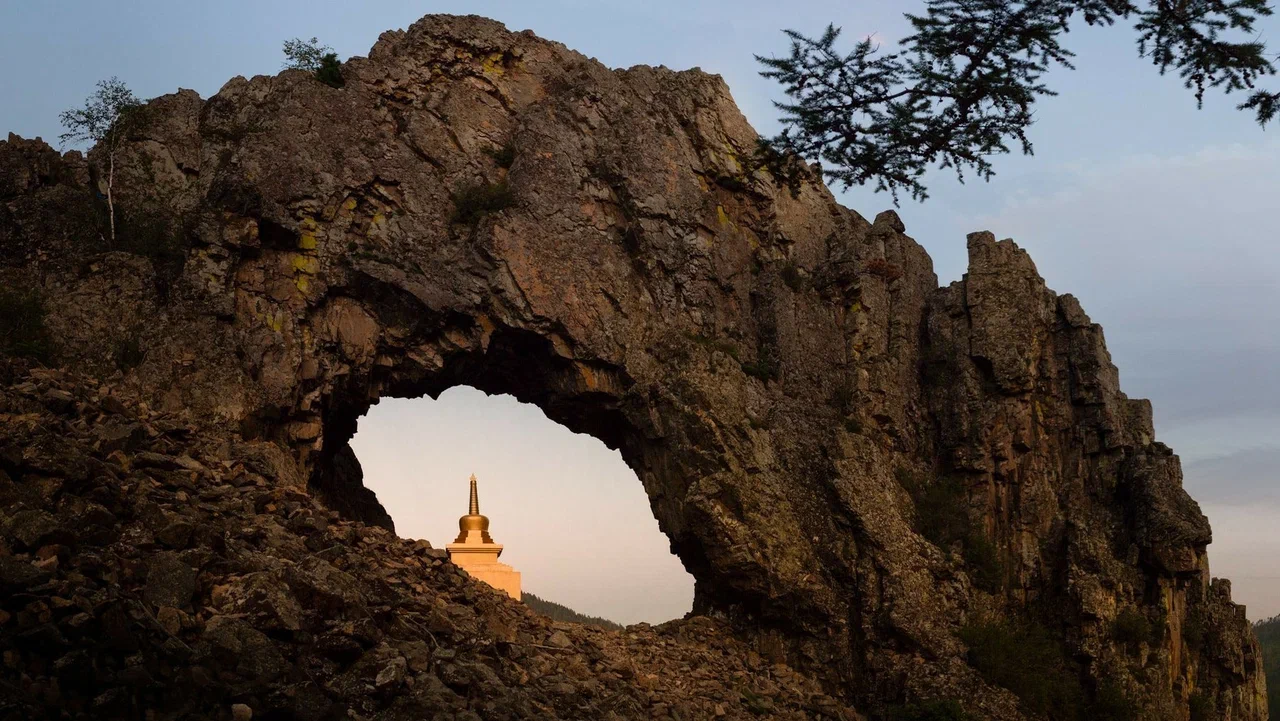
[(1269, 636), (556, 612)]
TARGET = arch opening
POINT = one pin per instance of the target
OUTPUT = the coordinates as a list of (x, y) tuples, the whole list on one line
[(602, 547), (572, 516)]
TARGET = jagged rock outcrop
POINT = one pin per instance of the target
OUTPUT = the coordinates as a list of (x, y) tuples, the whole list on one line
[(787, 380)]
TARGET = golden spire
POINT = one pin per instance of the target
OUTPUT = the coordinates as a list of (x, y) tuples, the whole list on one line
[(473, 522)]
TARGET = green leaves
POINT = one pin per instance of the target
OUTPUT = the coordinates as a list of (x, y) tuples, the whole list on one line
[(319, 60), (962, 87), (305, 54), (108, 114), (1023, 657), (1186, 36), (330, 71)]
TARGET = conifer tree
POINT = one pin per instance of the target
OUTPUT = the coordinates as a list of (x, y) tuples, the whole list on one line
[(962, 87)]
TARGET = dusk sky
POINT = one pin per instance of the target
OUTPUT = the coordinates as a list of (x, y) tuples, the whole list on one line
[(1158, 217)]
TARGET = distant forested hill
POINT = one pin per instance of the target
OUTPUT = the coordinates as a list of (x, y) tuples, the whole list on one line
[(556, 612), (1269, 636)]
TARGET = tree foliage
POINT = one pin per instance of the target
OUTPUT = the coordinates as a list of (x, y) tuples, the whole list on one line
[(1023, 657), (963, 85), (105, 116), (311, 56), (107, 119), (304, 54), (557, 612)]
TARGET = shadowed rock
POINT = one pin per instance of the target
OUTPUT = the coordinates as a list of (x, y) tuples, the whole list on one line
[(787, 380)]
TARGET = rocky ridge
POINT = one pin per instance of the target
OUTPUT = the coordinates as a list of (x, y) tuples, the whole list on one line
[(855, 464)]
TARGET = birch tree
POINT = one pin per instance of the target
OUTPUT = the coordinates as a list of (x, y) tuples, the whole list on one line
[(107, 118)]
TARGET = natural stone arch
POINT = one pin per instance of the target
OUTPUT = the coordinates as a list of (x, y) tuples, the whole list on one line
[(584, 396), (661, 297), (720, 331), (775, 368)]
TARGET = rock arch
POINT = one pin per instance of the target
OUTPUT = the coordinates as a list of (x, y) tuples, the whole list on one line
[(484, 207)]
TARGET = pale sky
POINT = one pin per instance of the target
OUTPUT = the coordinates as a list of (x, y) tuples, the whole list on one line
[(571, 516), (1156, 215)]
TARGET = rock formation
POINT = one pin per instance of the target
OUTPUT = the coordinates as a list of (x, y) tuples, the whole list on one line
[(488, 208)]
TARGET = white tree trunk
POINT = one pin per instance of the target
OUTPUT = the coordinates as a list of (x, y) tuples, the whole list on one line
[(111, 179)]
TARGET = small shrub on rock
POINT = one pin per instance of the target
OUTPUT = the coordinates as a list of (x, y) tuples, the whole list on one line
[(472, 202), (792, 276), (1193, 630), (1202, 707), (505, 156), (714, 344), (940, 507), (149, 234), (1113, 704), (764, 368), (1023, 657), (1131, 627), (315, 58), (983, 562), (330, 71), (942, 518), (22, 330)]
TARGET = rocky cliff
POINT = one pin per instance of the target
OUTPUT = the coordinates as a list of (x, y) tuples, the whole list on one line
[(879, 485)]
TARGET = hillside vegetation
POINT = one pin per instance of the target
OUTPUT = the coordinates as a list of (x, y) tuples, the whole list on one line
[(1269, 637), (556, 612)]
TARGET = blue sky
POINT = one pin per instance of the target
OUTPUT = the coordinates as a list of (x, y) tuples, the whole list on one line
[(1156, 215)]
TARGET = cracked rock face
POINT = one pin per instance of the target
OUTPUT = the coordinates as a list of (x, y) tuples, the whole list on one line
[(786, 378)]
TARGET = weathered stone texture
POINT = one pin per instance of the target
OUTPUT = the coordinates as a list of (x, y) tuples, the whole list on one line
[(764, 361)]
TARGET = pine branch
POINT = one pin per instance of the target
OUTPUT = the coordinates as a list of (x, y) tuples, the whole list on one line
[(963, 86)]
